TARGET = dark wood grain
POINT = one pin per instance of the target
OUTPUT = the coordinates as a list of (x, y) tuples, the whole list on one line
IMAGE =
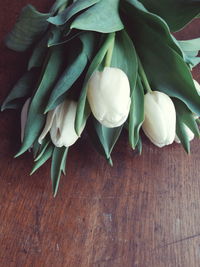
[(143, 212)]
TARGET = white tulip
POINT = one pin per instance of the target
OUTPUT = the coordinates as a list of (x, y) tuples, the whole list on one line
[(24, 114), (197, 86), (189, 133), (109, 96), (60, 123), (160, 118)]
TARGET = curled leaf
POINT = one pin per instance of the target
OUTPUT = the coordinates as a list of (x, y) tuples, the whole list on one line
[(29, 27)]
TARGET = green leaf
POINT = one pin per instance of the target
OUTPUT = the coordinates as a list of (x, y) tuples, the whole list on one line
[(77, 63), (186, 116), (58, 37), (43, 148), (93, 137), (165, 68), (136, 9), (192, 61), (22, 89), (83, 106), (101, 17), (44, 157), (58, 5), (139, 145), (57, 166), (89, 41), (182, 134), (190, 45), (177, 13), (124, 57), (39, 53), (67, 79), (107, 137), (36, 117), (35, 148), (190, 50), (29, 27), (55, 36), (136, 115), (76, 7)]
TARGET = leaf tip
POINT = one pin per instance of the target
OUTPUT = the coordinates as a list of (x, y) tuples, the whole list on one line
[(55, 193), (20, 152), (2, 108), (17, 155), (110, 161), (32, 172)]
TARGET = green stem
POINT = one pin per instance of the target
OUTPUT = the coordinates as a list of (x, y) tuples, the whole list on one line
[(110, 52), (144, 77)]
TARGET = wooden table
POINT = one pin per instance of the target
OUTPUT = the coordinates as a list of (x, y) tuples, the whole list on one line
[(143, 212)]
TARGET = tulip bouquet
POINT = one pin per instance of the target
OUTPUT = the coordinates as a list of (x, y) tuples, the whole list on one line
[(101, 66)]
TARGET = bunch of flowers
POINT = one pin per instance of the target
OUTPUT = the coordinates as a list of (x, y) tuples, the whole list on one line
[(101, 66)]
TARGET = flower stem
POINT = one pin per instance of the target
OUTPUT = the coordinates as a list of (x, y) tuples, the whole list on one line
[(110, 51), (144, 77)]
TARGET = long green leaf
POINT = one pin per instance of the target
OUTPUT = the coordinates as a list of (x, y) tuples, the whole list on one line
[(90, 41), (107, 137), (43, 148), (165, 68), (45, 156), (190, 45), (182, 134), (136, 9), (73, 9), (76, 65), (124, 57), (57, 166), (36, 117), (38, 53), (58, 5), (23, 88), (35, 148), (29, 27), (139, 145), (101, 17), (136, 115), (177, 13), (190, 50), (186, 116)]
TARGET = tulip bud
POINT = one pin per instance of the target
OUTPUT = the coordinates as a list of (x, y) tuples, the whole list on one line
[(24, 114), (60, 123), (197, 86), (189, 133), (109, 96), (160, 118)]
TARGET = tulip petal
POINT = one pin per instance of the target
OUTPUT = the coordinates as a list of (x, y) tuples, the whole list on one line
[(62, 129), (24, 114), (49, 122), (160, 118), (154, 123), (68, 133), (170, 118), (109, 96)]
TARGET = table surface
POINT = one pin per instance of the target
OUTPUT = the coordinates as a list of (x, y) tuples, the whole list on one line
[(143, 212)]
